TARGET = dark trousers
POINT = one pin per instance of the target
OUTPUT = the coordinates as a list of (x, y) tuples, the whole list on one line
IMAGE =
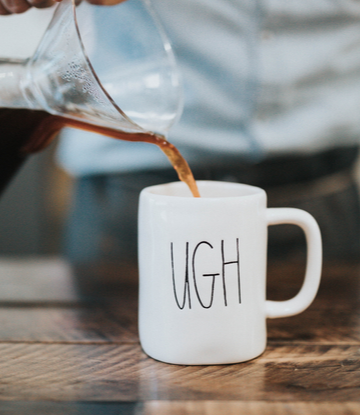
[(103, 221)]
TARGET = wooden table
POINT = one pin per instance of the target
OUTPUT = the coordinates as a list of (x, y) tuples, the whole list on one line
[(62, 355)]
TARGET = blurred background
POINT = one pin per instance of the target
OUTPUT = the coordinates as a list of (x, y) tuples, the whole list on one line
[(34, 207)]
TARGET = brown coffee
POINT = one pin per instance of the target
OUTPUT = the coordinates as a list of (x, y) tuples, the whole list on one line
[(28, 131)]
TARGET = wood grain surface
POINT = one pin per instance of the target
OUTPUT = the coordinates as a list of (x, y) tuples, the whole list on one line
[(69, 345)]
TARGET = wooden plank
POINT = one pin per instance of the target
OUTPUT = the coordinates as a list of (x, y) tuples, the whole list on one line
[(70, 408), (68, 325), (323, 325), (117, 322), (36, 280), (55, 347), (43, 320), (114, 320), (43, 280), (179, 408), (248, 408), (106, 372)]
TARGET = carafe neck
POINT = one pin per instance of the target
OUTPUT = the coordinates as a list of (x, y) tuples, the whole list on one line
[(14, 91)]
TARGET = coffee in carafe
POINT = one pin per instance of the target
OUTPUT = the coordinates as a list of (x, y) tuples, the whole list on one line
[(28, 131), (17, 127)]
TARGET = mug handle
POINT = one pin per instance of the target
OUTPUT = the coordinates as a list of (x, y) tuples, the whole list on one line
[(308, 291)]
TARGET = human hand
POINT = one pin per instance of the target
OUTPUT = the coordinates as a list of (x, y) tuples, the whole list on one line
[(20, 6)]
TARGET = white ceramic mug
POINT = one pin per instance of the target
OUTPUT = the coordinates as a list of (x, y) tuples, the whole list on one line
[(202, 265)]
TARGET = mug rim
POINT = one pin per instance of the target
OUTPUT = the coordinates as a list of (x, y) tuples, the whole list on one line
[(228, 190)]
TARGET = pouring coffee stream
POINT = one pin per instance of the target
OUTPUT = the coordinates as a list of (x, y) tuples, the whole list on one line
[(59, 86)]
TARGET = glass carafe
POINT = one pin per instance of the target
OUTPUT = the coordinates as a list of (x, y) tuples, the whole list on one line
[(101, 66)]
